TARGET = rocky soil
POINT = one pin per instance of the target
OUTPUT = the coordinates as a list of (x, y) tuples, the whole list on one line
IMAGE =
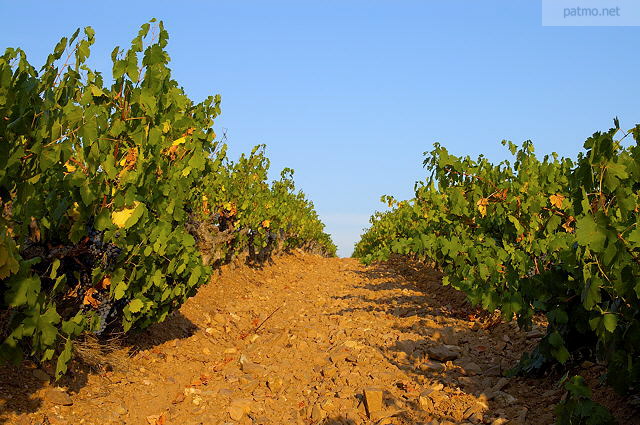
[(307, 340)]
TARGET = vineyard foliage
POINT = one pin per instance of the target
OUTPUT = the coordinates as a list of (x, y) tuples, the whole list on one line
[(117, 201), (550, 236)]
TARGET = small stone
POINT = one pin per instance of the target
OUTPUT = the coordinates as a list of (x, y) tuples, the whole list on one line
[(351, 344), (472, 410), (275, 384), (219, 318), (197, 400), (500, 421), (443, 353), (468, 382), (504, 398), (247, 366), (326, 404), (449, 336), (373, 400), (493, 371), (407, 347), (121, 410), (239, 407), (431, 366), (425, 402), (230, 350), (317, 414), (41, 375), (329, 372), (437, 387), (58, 397), (338, 357), (502, 382), (236, 412), (206, 351), (471, 369)]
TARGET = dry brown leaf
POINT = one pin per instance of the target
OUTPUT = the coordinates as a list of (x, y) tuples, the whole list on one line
[(501, 195), (129, 162), (567, 225), (104, 284), (34, 230), (88, 298)]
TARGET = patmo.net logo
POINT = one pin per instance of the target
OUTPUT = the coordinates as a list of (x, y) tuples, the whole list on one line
[(570, 12), (590, 12)]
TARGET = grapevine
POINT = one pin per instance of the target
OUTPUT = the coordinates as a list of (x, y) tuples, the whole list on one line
[(113, 197), (550, 236)]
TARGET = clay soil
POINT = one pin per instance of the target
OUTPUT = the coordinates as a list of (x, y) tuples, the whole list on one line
[(307, 340)]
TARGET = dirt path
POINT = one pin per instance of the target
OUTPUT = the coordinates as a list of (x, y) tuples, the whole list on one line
[(330, 331)]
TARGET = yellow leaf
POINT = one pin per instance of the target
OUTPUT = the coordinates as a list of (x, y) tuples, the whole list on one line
[(482, 206), (556, 200), (70, 168), (166, 126), (266, 224), (179, 141), (96, 91), (119, 218)]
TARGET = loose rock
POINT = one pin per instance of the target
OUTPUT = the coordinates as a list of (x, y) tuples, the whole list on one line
[(373, 401), (58, 397), (443, 353), (41, 375)]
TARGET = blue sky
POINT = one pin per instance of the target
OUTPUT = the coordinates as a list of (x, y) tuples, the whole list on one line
[(351, 93)]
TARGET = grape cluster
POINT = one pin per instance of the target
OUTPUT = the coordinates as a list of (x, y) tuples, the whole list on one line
[(108, 311), (105, 254), (104, 312)]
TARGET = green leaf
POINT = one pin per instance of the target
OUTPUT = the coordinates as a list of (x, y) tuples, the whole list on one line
[(103, 220), (591, 294), (22, 290), (54, 269), (73, 326), (63, 359), (45, 324), (96, 91), (589, 234), (577, 387), (610, 321), (136, 305)]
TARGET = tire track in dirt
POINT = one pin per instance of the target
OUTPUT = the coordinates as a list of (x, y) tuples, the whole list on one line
[(336, 343)]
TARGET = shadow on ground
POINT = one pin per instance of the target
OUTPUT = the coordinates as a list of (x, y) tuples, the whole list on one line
[(458, 352), (24, 388)]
